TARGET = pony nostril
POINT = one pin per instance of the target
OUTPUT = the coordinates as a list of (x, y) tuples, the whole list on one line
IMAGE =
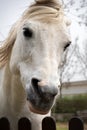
[(35, 85), (43, 90), (54, 94), (34, 82)]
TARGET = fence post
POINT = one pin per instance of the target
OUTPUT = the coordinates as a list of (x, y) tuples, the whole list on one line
[(4, 124), (24, 124), (76, 124), (48, 123)]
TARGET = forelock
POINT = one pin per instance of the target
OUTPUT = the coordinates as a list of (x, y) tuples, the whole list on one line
[(44, 11)]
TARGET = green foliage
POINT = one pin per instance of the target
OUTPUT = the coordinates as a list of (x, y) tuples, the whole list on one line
[(71, 104)]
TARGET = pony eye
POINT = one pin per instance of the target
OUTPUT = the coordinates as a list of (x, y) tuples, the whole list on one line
[(67, 45), (27, 32)]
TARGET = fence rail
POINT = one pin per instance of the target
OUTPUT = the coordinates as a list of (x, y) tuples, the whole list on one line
[(48, 123)]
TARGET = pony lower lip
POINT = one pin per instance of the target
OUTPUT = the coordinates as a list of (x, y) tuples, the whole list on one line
[(35, 110)]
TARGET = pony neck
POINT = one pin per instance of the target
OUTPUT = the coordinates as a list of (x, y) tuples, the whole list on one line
[(13, 90)]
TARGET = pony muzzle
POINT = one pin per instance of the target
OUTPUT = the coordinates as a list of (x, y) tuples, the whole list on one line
[(41, 97)]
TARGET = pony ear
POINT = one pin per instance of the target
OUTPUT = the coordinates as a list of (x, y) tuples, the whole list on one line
[(53, 3), (5, 49), (45, 1)]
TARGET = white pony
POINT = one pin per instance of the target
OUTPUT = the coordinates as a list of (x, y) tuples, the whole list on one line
[(30, 57)]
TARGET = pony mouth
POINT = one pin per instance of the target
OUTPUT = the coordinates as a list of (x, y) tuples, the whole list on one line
[(36, 110), (39, 104)]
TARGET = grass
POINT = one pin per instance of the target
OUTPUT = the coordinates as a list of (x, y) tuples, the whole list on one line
[(62, 126)]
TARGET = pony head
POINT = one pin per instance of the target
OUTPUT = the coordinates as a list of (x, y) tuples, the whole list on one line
[(34, 49)]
